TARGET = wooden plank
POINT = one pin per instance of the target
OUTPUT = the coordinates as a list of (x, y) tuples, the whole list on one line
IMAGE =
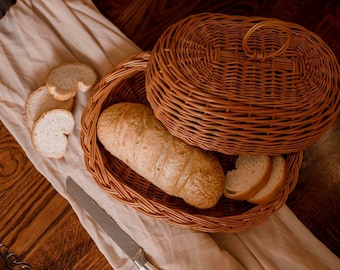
[(38, 224)]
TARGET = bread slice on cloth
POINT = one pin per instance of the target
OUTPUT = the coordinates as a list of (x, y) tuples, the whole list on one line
[(251, 173), (40, 101), (276, 181), (49, 133), (65, 80)]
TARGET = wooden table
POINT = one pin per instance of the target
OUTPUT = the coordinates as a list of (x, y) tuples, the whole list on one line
[(40, 227)]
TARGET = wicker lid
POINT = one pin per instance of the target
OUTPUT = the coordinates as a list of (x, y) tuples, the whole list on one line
[(247, 85)]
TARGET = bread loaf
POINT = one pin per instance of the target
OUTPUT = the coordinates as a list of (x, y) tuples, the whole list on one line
[(131, 132)]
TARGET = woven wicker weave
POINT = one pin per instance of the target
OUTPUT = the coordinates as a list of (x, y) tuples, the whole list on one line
[(127, 83), (246, 85)]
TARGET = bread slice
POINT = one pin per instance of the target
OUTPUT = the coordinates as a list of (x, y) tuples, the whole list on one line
[(40, 101), (275, 183), (65, 80), (49, 132), (251, 173)]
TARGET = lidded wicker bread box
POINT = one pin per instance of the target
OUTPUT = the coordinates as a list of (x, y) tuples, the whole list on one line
[(243, 85), (126, 83), (229, 84)]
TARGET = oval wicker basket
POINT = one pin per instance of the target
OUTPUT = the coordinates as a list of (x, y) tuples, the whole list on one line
[(247, 85), (127, 83)]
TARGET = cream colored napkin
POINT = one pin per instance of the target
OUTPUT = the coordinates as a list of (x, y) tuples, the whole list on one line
[(36, 36)]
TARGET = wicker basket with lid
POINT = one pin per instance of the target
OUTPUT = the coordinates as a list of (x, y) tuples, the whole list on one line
[(124, 83), (243, 85)]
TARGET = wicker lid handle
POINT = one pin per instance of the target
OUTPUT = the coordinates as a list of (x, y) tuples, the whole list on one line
[(261, 55)]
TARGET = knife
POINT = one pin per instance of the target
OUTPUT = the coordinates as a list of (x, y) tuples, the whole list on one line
[(111, 228)]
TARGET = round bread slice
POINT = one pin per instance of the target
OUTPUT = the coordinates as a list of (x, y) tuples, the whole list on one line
[(49, 133), (275, 183), (65, 80), (251, 173), (40, 101)]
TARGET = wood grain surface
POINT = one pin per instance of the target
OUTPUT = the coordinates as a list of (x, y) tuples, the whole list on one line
[(40, 227)]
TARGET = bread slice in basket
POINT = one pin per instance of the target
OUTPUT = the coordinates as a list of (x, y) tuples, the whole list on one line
[(251, 173), (275, 182)]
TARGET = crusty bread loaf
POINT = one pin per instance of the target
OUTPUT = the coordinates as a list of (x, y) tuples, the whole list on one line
[(49, 132), (251, 173), (131, 132), (40, 101), (65, 80), (276, 181)]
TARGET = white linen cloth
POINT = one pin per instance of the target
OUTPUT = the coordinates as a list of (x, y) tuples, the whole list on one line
[(36, 35)]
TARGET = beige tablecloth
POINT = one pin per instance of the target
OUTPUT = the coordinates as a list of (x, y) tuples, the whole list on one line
[(37, 35)]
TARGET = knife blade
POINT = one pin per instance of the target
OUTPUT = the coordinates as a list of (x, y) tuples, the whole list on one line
[(111, 228)]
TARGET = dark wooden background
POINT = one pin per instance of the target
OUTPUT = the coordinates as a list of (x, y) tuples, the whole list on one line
[(39, 226)]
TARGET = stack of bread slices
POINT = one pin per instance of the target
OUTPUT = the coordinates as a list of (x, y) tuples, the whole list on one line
[(256, 179), (49, 108)]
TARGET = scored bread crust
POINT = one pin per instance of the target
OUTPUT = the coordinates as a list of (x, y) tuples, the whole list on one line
[(64, 81), (251, 173), (40, 101), (131, 132), (275, 183), (50, 131)]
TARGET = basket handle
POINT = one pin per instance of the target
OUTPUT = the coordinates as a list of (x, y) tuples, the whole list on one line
[(262, 56)]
